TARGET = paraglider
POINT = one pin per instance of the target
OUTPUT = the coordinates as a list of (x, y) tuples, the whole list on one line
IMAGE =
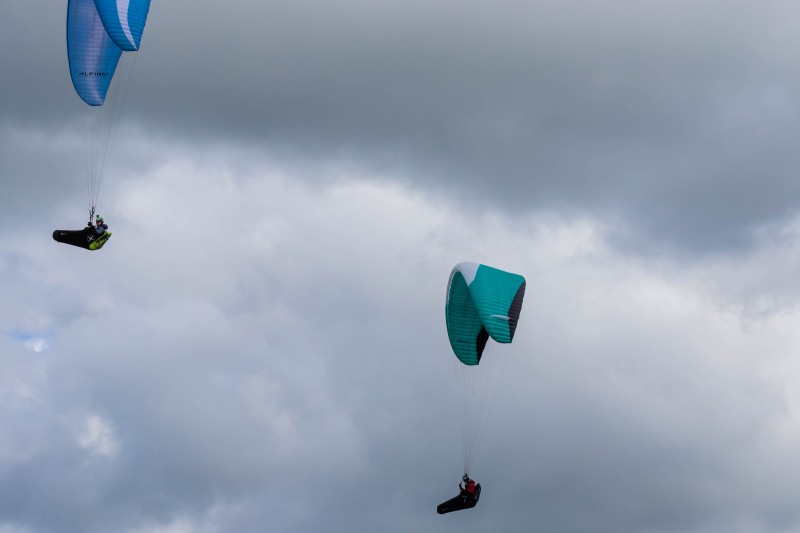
[(468, 497), (98, 32), (482, 303), (92, 237)]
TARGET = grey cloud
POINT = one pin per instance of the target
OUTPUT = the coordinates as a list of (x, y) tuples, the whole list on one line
[(299, 374), (263, 336), (676, 118)]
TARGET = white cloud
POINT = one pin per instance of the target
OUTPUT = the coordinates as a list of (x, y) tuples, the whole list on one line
[(250, 341), (179, 525), (10, 528), (36, 345), (97, 437)]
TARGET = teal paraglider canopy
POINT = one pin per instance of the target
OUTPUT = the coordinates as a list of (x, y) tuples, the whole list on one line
[(482, 302)]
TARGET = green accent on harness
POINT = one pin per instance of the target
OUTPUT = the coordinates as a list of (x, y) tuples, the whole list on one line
[(96, 245)]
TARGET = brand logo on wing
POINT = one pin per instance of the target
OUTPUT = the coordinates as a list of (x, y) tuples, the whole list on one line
[(90, 74)]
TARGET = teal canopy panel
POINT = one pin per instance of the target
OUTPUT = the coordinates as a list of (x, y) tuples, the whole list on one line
[(482, 302)]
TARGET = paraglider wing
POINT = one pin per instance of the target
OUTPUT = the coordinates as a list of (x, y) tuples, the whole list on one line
[(124, 21), (482, 302), (92, 55), (97, 33), (460, 502)]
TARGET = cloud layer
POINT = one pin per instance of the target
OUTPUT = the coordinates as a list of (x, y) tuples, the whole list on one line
[(261, 344)]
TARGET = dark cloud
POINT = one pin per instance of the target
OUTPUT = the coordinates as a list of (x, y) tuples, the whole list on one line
[(676, 118)]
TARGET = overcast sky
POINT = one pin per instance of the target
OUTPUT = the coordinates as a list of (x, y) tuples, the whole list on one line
[(261, 345)]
